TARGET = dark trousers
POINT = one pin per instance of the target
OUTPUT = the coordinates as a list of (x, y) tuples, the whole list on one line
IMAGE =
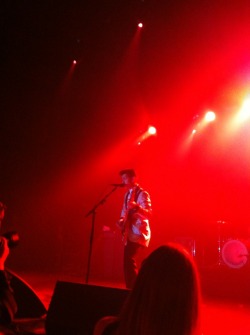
[(132, 253)]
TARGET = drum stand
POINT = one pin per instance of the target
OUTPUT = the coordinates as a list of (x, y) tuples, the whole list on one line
[(220, 242)]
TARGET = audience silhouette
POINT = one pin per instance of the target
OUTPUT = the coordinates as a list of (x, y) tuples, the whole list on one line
[(165, 299)]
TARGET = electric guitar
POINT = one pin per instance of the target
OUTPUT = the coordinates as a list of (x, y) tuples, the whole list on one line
[(127, 220)]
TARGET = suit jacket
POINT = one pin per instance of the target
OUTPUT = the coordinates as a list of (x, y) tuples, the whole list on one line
[(136, 221)]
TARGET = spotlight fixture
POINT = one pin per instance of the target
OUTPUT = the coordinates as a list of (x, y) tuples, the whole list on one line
[(210, 116)]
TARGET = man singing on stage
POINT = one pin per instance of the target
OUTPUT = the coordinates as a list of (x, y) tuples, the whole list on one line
[(134, 224)]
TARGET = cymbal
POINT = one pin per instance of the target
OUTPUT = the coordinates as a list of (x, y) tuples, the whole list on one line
[(222, 222)]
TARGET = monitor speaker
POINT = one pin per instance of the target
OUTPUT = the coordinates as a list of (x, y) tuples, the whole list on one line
[(75, 308)]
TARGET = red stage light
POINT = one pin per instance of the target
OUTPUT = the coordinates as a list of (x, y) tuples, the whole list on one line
[(151, 130), (74, 62), (244, 113), (210, 116), (140, 25)]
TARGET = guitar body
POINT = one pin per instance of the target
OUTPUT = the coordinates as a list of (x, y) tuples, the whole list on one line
[(128, 218)]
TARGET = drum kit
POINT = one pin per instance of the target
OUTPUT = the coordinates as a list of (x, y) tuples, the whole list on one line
[(223, 251), (231, 252)]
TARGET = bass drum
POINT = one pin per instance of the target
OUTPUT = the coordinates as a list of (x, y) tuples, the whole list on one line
[(234, 254)]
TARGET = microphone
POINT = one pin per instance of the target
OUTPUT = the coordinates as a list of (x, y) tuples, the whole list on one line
[(118, 185)]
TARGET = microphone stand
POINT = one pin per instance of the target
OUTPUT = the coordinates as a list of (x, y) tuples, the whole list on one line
[(93, 213)]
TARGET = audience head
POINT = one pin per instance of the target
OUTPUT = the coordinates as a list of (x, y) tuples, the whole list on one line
[(165, 298)]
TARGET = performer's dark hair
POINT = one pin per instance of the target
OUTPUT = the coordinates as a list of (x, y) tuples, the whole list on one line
[(129, 172)]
